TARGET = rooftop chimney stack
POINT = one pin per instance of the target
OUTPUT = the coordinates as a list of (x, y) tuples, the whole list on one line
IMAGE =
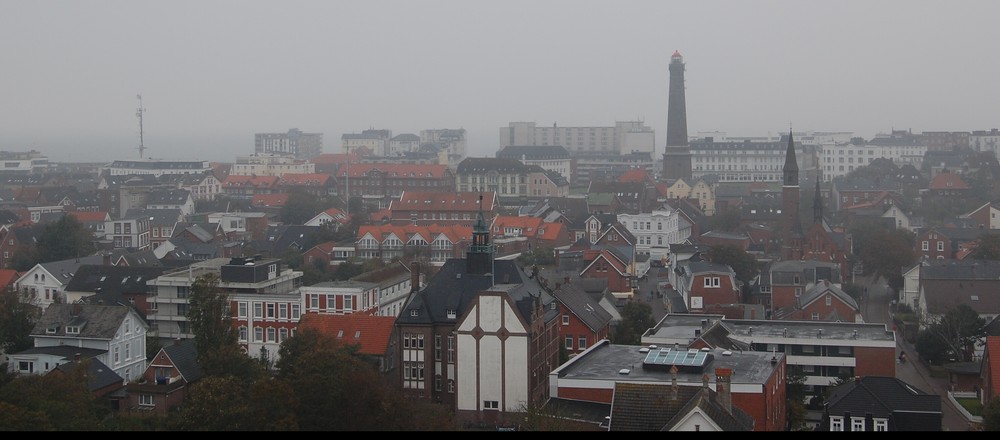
[(723, 378), (415, 276)]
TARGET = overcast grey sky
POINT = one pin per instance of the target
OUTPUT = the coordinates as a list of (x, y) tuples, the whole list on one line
[(212, 73)]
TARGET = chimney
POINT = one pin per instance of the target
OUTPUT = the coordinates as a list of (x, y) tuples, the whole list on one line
[(723, 378), (75, 311), (706, 391), (673, 383), (555, 257), (106, 259), (76, 357), (415, 276)]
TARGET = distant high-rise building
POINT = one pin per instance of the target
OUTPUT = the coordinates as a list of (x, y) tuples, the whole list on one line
[(295, 143), (623, 138), (677, 154)]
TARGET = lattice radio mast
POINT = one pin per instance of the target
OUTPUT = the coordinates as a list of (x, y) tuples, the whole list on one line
[(138, 112)]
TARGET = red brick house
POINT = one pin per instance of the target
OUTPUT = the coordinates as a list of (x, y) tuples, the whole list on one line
[(389, 180), (373, 335), (314, 184), (166, 380), (444, 208), (948, 185), (582, 321), (990, 370), (16, 238), (825, 301), (607, 264), (245, 187), (944, 242), (437, 243), (706, 284)]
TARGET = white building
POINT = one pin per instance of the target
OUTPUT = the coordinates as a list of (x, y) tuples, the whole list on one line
[(982, 140), (113, 334), (156, 167), (340, 297), (403, 143), (295, 144), (130, 232), (270, 165), (370, 142), (23, 162), (653, 230), (623, 138), (46, 282), (839, 159)]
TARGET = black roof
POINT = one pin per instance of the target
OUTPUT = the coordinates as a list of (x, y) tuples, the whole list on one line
[(909, 408), (98, 375)]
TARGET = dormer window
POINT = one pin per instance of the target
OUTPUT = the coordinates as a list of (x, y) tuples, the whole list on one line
[(72, 330), (451, 313), (414, 312), (52, 330)]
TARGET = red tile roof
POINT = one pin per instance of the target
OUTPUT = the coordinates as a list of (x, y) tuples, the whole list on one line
[(945, 181), (305, 179), (8, 276), (427, 171), (255, 181), (269, 200), (455, 233), (437, 201), (333, 158), (552, 231), (528, 225), (634, 175), (372, 333), (338, 215)]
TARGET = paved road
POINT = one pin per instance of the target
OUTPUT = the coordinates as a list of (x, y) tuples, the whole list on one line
[(875, 309)]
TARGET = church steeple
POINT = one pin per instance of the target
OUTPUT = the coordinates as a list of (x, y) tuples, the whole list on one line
[(791, 168), (817, 205), (479, 258)]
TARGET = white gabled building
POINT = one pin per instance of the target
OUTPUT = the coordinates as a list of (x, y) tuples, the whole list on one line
[(654, 231), (46, 281), (112, 334)]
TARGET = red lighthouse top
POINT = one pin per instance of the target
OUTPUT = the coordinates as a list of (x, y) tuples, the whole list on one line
[(676, 54)]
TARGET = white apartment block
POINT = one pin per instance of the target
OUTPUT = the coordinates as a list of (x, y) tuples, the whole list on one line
[(23, 162), (982, 140), (623, 138), (270, 165), (295, 143), (838, 159), (341, 297), (374, 142), (128, 233), (653, 230), (156, 167), (746, 160), (403, 143)]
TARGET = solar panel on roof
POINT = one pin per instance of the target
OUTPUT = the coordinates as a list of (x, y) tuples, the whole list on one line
[(666, 356)]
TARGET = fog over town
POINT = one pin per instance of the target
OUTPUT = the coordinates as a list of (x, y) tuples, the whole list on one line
[(214, 73)]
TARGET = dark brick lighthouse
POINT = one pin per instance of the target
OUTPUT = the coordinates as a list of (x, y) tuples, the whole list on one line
[(677, 155)]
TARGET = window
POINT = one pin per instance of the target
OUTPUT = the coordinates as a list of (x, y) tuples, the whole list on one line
[(117, 356), (282, 311), (25, 367), (881, 425), (282, 334), (437, 348), (145, 400), (271, 334), (295, 311), (940, 246), (491, 404), (829, 300), (314, 301), (815, 316), (565, 319), (569, 342), (582, 343), (924, 245), (348, 303), (270, 310), (712, 281), (258, 334), (451, 349), (242, 310), (331, 302), (258, 310), (243, 334), (857, 424)]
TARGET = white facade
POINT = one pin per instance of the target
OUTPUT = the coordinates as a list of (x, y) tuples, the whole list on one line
[(624, 137), (157, 167), (266, 320), (25, 162), (44, 287), (340, 297), (657, 229), (128, 233), (561, 166), (982, 140), (452, 142), (493, 373), (270, 165), (839, 159)]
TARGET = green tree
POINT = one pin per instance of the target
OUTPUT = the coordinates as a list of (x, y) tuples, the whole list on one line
[(300, 208), (637, 317), (959, 329), (215, 403), (988, 248), (537, 256), (58, 401), (744, 264), (216, 340), (795, 393), (883, 251), (991, 416), (728, 220), (18, 315), (64, 239)]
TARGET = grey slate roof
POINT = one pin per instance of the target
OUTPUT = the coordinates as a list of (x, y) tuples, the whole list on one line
[(983, 296), (63, 270), (653, 407), (452, 289), (95, 321), (960, 269), (907, 407), (184, 355), (98, 375), (583, 306), (479, 165), (112, 280)]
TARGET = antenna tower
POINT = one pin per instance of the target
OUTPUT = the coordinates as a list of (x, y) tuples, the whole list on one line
[(138, 112)]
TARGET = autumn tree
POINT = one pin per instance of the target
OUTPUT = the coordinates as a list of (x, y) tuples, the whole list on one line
[(637, 317), (215, 337), (988, 247), (958, 330)]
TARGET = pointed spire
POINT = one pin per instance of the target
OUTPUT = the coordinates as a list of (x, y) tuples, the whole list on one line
[(791, 168), (818, 205)]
